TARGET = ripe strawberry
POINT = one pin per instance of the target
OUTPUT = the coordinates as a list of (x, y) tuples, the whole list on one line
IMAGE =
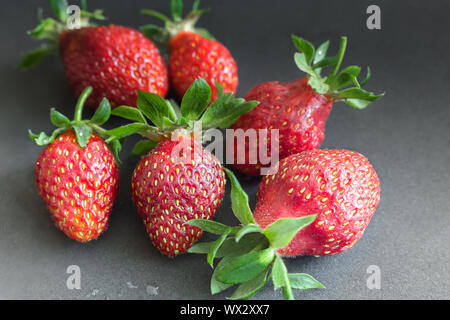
[(76, 174), (317, 202), (168, 192), (339, 186), (116, 61), (193, 51), (299, 109), (178, 180)]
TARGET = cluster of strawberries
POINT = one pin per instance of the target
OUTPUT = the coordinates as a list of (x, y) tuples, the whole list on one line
[(314, 202)]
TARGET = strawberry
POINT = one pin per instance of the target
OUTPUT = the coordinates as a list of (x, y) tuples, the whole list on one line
[(339, 186), (317, 202), (116, 61), (76, 174), (299, 109), (178, 180), (168, 193), (193, 52)]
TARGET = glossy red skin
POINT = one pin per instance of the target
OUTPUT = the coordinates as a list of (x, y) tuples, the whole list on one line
[(169, 190), (78, 185), (116, 61), (193, 56), (295, 109), (340, 186)]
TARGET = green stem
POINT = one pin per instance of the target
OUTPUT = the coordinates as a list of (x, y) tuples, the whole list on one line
[(287, 292), (80, 103), (340, 56)]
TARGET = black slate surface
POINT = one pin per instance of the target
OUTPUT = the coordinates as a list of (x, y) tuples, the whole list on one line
[(406, 136)]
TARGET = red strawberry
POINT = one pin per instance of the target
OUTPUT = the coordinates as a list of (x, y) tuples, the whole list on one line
[(193, 52), (79, 185), (178, 180), (77, 175), (299, 109), (116, 61), (168, 191), (339, 186), (317, 202)]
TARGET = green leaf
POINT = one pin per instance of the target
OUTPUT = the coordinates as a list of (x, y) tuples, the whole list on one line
[(247, 243), (303, 281), (155, 108), (195, 5), (58, 119), (196, 99), (126, 130), (282, 231), (102, 113), (305, 47), (249, 288), (217, 286), (250, 228), (155, 14), (59, 8), (35, 57), (84, 5), (155, 33), (368, 76), (358, 93), (342, 80), (176, 8), (96, 14), (47, 29), (201, 247), (208, 225), (129, 113), (279, 273), (215, 246), (42, 139), (328, 61), (143, 147), (83, 134), (340, 56), (205, 33), (239, 201), (353, 70), (319, 85), (245, 267), (357, 103), (303, 65), (230, 246), (219, 89), (116, 147), (225, 111), (321, 52)]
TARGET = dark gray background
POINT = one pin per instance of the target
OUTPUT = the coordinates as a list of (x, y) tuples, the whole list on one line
[(405, 135)]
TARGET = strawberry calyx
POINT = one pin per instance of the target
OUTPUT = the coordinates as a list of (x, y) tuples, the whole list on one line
[(248, 253), (49, 29), (338, 85), (83, 128), (192, 117), (177, 24)]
